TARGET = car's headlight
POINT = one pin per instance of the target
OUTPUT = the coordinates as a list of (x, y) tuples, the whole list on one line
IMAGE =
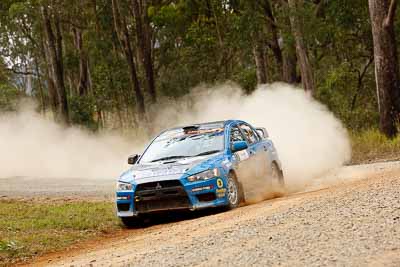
[(205, 175), (121, 186)]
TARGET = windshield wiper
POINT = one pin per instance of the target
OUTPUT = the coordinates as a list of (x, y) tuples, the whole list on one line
[(207, 153), (169, 157)]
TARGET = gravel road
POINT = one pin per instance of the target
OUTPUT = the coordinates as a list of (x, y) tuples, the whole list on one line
[(355, 222)]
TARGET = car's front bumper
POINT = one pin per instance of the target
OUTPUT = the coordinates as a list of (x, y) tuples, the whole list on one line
[(187, 195)]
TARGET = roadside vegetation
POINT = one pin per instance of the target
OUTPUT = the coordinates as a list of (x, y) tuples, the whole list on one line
[(372, 146), (29, 229)]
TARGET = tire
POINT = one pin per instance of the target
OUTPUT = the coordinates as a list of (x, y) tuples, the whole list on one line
[(132, 222), (278, 181), (234, 192)]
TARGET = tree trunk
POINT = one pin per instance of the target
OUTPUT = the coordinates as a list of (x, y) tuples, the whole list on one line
[(274, 43), (54, 43), (297, 28), (261, 64), (53, 95), (386, 64), (124, 39), (83, 63), (360, 85), (143, 32), (59, 69), (40, 86), (289, 64)]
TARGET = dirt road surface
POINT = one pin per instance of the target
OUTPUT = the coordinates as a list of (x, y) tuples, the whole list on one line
[(350, 217)]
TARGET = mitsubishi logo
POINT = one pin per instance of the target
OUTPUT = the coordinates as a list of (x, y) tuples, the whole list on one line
[(158, 186)]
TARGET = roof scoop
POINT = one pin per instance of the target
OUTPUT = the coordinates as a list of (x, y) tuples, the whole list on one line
[(190, 128)]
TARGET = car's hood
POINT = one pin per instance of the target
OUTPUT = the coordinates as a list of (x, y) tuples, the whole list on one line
[(167, 170)]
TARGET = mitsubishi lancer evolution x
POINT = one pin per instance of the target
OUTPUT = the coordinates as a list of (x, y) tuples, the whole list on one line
[(199, 166)]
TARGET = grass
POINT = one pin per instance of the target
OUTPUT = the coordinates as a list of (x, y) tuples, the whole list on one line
[(371, 146), (29, 229)]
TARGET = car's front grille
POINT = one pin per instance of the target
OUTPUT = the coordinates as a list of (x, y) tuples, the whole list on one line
[(157, 185), (206, 197), (123, 206), (163, 195), (166, 204)]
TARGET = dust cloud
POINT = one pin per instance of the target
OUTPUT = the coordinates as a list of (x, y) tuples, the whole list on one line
[(309, 139), (32, 146)]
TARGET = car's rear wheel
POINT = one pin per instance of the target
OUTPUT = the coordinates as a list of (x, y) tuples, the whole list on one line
[(132, 222), (278, 181), (234, 191)]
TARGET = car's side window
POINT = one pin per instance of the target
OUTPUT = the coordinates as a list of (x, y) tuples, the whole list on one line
[(251, 136), (236, 135)]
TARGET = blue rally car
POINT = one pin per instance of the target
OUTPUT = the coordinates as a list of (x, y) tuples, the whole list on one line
[(199, 166)]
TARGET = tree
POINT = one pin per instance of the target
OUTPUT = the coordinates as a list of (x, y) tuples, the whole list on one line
[(296, 24), (143, 36), (111, 64), (273, 34), (259, 51), (8, 92), (54, 46), (382, 14), (124, 38)]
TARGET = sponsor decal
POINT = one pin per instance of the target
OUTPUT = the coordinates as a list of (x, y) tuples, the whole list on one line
[(220, 183), (227, 163), (124, 197), (242, 155), (197, 189), (220, 192), (159, 172)]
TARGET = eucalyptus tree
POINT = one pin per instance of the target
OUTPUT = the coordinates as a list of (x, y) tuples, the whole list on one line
[(386, 64)]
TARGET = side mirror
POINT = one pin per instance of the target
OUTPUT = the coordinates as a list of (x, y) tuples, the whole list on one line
[(133, 159), (238, 146), (262, 132)]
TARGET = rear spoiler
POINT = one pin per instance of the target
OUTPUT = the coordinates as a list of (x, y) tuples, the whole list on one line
[(262, 132)]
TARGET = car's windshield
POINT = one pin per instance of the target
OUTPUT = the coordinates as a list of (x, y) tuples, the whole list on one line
[(183, 143)]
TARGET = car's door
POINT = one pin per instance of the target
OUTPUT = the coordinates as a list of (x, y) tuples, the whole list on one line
[(257, 169), (241, 159)]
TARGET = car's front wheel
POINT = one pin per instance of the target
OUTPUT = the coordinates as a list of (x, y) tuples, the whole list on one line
[(234, 191)]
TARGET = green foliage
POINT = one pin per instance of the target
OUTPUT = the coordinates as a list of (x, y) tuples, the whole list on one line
[(203, 42), (8, 97), (247, 79), (338, 91), (194, 42), (82, 110)]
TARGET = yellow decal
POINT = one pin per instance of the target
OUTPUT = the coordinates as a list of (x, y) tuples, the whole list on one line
[(220, 183), (220, 192)]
